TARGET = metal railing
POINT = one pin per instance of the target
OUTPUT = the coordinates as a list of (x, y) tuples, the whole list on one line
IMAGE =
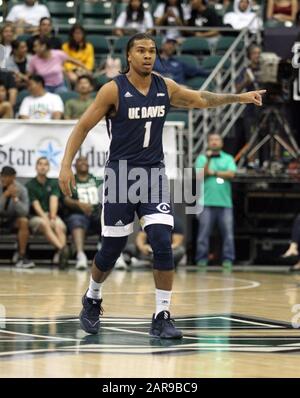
[(221, 80)]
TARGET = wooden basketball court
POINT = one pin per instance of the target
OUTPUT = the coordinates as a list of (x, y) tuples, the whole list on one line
[(235, 325)]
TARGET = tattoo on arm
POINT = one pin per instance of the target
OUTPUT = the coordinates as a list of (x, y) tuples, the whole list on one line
[(213, 100)]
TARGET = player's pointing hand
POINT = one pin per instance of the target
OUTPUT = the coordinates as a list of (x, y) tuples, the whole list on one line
[(252, 97), (66, 180)]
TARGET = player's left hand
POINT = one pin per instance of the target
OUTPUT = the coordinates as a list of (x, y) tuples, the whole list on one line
[(252, 97)]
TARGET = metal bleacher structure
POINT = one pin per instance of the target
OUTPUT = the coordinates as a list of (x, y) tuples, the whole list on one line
[(224, 59)]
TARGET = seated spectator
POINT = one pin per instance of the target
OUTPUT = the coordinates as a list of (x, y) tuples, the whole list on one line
[(171, 13), (8, 80), (78, 48), (14, 208), (45, 30), (242, 17), (282, 10), (26, 17), (49, 64), (135, 17), (75, 107), (203, 16), (7, 36), (40, 104), (18, 63), (141, 250), (6, 110), (44, 197), (173, 68), (84, 209), (219, 169)]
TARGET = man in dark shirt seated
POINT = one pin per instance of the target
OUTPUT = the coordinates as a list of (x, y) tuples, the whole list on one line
[(175, 69), (45, 30)]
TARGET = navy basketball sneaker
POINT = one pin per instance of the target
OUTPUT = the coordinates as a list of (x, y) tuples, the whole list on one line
[(89, 316), (163, 327)]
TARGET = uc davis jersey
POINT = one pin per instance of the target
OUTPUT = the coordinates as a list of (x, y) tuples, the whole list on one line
[(136, 129)]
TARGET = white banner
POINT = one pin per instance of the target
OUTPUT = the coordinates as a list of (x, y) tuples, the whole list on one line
[(23, 142)]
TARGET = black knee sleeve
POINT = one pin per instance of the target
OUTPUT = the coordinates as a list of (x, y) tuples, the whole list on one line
[(160, 239), (110, 251)]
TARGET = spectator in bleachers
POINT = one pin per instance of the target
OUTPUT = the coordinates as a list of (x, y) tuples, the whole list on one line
[(173, 68), (219, 169), (141, 250), (282, 10), (6, 110), (40, 104), (78, 48), (49, 64), (14, 208), (44, 197), (203, 16), (7, 36), (45, 30), (18, 63), (75, 107), (26, 17), (242, 17), (84, 209), (8, 80), (171, 13), (135, 17)]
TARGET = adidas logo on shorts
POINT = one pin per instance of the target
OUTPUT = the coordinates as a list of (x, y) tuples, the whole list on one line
[(119, 223)]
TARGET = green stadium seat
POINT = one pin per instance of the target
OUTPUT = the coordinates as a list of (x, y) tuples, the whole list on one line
[(100, 43), (65, 96), (188, 59), (98, 25), (21, 95), (60, 9), (101, 80), (120, 44), (225, 42), (195, 45), (101, 10), (178, 117), (211, 62), (195, 82)]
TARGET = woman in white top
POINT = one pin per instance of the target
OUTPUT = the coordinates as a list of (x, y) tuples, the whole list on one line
[(171, 13), (134, 18), (7, 36)]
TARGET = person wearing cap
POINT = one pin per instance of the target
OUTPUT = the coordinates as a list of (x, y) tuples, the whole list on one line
[(14, 209), (169, 66)]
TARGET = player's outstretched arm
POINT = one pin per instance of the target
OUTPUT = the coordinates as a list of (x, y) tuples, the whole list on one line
[(105, 99), (182, 97)]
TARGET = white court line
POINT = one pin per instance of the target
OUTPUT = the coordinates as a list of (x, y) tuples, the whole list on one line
[(251, 285), (252, 322), (39, 336)]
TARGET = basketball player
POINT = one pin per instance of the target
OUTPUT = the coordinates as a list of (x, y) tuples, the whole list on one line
[(135, 105)]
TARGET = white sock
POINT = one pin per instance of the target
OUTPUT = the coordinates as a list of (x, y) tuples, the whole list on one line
[(163, 300), (95, 290)]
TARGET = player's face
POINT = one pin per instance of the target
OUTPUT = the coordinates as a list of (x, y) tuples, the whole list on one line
[(142, 56), (215, 142), (82, 165), (42, 167)]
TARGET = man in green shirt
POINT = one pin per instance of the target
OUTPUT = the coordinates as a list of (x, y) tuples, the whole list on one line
[(77, 106), (44, 197), (219, 169), (84, 209)]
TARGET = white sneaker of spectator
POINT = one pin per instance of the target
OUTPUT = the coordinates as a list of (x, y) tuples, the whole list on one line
[(25, 263), (120, 264), (82, 261)]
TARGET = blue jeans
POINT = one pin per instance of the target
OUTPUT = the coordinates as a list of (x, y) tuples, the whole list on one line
[(206, 221)]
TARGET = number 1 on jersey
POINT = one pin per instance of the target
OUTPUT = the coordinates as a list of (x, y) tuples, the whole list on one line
[(147, 134)]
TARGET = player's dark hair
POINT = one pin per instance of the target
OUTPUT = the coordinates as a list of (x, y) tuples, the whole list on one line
[(130, 44), (130, 11), (38, 79)]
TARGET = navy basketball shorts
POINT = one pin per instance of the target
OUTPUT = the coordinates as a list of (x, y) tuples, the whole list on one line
[(131, 189)]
